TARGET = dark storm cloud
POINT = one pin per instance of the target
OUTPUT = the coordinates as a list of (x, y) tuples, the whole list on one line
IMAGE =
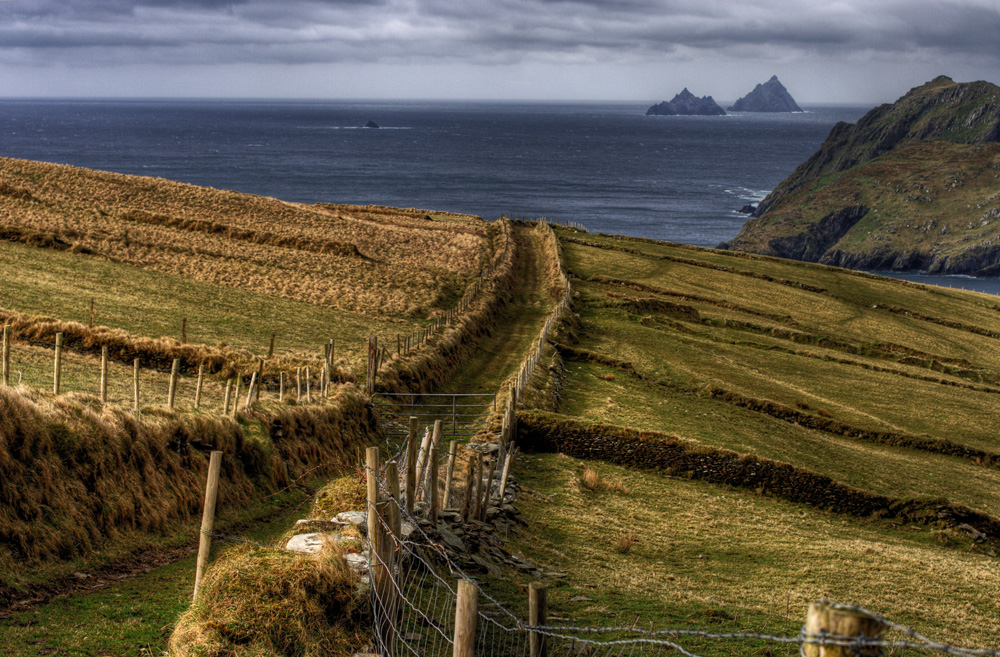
[(103, 32)]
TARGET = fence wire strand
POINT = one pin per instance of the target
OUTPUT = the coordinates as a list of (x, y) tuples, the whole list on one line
[(419, 616)]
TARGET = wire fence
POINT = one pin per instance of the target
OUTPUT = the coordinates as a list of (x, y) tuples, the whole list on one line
[(418, 609)]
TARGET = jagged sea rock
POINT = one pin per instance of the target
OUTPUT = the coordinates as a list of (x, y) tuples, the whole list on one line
[(768, 97), (687, 104)]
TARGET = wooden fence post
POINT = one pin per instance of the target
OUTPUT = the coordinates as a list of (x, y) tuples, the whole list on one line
[(470, 468), (537, 609), (6, 355), (477, 490), (135, 384), (229, 392), (172, 390), (184, 330), (372, 364), (298, 385), (208, 517), (270, 348), (392, 483), (433, 480), (104, 374), (309, 396), (425, 448), (281, 386), (201, 382), (452, 452), (57, 369), (411, 465), (91, 323), (488, 492), (260, 379), (251, 390), (236, 394), (371, 471), (465, 619), (825, 619), (432, 449), (504, 474)]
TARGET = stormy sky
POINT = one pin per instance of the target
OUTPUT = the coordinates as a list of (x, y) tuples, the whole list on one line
[(851, 51)]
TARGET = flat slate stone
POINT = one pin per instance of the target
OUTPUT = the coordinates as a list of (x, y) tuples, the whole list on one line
[(357, 518), (356, 562), (314, 542)]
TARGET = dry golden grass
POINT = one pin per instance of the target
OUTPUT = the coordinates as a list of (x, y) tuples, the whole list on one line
[(702, 549), (367, 259), (257, 602), (592, 481)]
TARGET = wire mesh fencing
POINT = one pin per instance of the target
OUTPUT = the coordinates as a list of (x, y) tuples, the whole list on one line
[(424, 603)]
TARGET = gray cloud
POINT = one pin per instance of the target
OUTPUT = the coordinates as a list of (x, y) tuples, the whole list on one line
[(110, 33)]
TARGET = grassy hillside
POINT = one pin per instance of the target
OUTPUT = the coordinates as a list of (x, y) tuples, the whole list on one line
[(772, 432), (377, 261), (912, 185)]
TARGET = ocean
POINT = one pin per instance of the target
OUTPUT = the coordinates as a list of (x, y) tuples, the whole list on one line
[(604, 165)]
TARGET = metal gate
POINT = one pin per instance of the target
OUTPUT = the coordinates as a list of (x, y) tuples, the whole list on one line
[(461, 415)]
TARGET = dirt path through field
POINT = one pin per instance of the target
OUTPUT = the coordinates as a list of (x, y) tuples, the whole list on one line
[(499, 354)]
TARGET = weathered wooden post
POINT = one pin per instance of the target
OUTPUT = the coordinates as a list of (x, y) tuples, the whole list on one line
[(91, 323), (270, 347), (470, 469), (433, 482), (184, 330), (465, 619), (489, 489), (201, 383), (281, 386), (372, 364), (425, 447), (826, 620), (411, 465), (309, 396), (504, 474), (104, 374), (537, 611), (208, 517), (229, 392), (236, 394), (477, 509), (371, 471), (392, 483), (6, 355), (449, 471), (57, 369), (250, 391), (259, 380), (172, 389), (135, 384), (298, 385)]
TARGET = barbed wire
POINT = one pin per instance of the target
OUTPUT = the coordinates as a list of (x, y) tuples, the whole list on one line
[(504, 632)]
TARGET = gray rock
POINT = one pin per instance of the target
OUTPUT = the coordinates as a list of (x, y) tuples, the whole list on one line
[(357, 518), (449, 538), (356, 562), (314, 542)]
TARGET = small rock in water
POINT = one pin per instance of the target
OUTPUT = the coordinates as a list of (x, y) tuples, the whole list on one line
[(372, 124)]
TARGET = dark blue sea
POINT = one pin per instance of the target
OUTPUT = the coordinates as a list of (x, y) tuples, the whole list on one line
[(605, 165)]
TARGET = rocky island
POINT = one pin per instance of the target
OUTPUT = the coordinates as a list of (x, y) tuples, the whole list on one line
[(687, 104), (914, 185), (768, 97)]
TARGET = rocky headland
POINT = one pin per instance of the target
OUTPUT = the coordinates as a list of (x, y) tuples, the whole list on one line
[(687, 104), (914, 185), (768, 97)]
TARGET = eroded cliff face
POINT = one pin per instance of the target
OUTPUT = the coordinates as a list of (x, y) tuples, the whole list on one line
[(963, 113), (912, 186)]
